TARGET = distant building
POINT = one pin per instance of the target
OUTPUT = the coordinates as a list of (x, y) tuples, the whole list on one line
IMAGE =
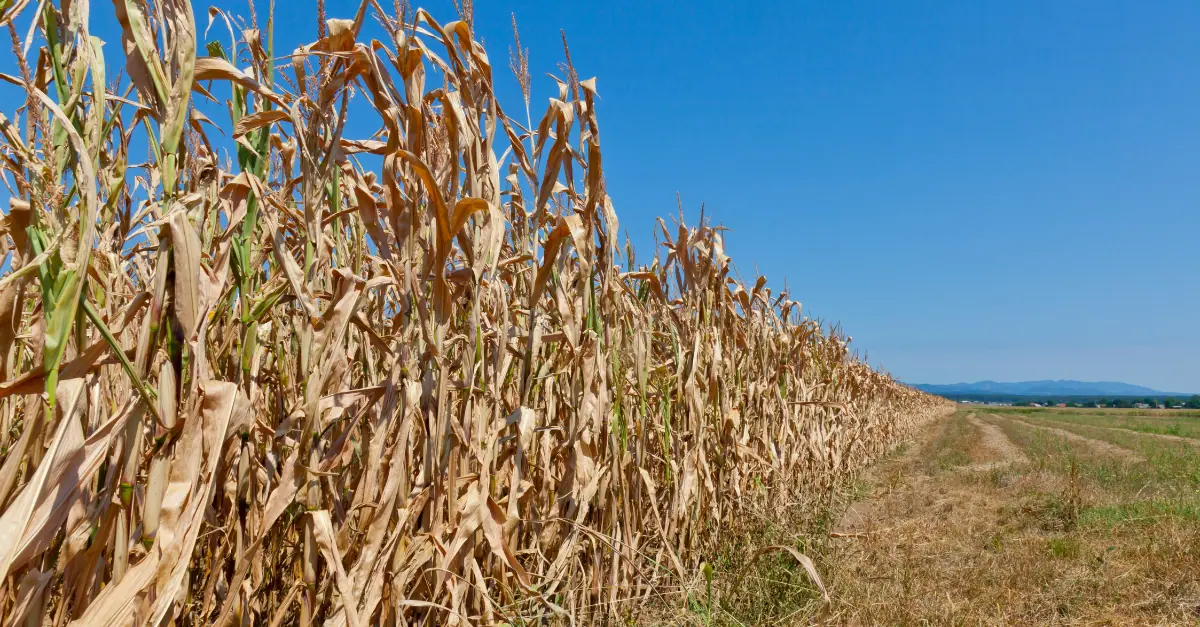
[(1141, 406)]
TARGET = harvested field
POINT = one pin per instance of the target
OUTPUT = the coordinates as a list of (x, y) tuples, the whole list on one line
[(1103, 447), (1078, 534)]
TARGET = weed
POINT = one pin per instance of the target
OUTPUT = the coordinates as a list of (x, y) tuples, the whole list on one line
[(1063, 548)]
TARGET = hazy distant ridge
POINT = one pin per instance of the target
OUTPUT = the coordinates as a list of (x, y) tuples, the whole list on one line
[(1044, 388)]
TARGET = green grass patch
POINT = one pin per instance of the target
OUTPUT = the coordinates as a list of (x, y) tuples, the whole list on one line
[(1146, 513), (1063, 548)]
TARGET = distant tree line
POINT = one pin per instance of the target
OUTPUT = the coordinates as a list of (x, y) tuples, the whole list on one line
[(1122, 402)]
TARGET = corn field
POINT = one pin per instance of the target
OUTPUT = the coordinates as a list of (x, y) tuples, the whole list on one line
[(255, 371)]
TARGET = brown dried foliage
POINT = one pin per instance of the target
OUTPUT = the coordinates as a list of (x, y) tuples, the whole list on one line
[(295, 388)]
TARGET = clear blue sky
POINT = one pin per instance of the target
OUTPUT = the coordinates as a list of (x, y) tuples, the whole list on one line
[(977, 190), (981, 190)]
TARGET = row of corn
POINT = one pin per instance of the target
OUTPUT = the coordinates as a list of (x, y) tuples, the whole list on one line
[(256, 369)]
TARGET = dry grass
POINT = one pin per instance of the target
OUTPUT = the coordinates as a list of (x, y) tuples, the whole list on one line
[(270, 373), (1059, 539)]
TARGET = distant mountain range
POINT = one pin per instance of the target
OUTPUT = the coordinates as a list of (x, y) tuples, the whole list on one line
[(1045, 388)]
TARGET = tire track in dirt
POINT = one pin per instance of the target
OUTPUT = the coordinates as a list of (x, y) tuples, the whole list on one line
[(1100, 446), (864, 515), (998, 444)]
